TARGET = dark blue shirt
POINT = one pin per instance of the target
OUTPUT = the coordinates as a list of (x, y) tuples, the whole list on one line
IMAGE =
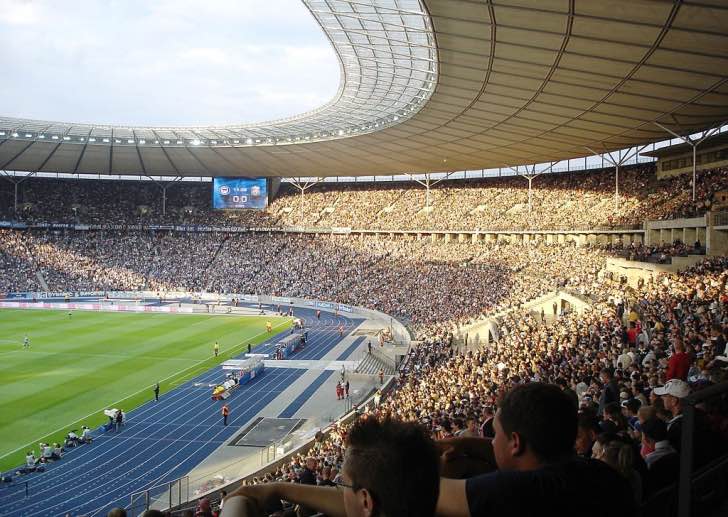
[(576, 487)]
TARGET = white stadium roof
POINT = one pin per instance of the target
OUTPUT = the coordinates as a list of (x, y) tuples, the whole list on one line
[(439, 86)]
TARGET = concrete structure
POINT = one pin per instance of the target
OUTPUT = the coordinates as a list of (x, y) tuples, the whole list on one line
[(486, 330), (678, 159), (634, 270), (686, 230)]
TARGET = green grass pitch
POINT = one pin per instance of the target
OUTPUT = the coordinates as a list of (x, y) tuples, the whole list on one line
[(78, 366)]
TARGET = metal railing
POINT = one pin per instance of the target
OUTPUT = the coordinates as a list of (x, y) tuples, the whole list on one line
[(696, 492), (691, 488), (720, 218), (165, 495)]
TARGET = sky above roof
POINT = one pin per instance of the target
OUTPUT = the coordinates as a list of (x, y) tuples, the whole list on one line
[(166, 62)]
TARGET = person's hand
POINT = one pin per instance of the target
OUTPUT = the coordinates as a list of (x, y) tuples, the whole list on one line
[(465, 457), (451, 448)]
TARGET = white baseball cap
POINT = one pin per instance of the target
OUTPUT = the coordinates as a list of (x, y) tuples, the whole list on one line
[(675, 387)]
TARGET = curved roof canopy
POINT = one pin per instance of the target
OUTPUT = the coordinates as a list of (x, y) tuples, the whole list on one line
[(443, 85)]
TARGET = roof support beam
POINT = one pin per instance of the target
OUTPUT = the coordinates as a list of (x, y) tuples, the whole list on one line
[(530, 175), (617, 162), (15, 182), (163, 185), (694, 143), (429, 183), (303, 187)]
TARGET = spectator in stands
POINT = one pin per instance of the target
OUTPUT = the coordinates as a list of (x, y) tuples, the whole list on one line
[(586, 433), (538, 473), (203, 508), (672, 393), (116, 512), (663, 463), (390, 469), (326, 477), (706, 444), (618, 454), (610, 389), (308, 476), (679, 364)]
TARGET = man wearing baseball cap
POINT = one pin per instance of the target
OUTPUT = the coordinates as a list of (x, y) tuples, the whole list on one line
[(705, 443), (672, 392)]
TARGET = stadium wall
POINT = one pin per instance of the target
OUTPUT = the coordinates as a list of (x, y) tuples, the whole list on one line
[(686, 230), (633, 270), (483, 331)]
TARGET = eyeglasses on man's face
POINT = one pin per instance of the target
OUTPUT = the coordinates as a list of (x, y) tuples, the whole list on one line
[(340, 484)]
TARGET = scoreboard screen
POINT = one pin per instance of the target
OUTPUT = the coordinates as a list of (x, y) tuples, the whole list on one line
[(236, 193)]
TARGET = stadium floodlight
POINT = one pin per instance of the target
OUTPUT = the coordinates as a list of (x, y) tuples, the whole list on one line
[(54, 137), (142, 141), (15, 135), (2, 133), (41, 136), (91, 139), (341, 132), (249, 141), (66, 137), (117, 141), (156, 141), (105, 140), (195, 142), (180, 142), (166, 142), (213, 142), (236, 141), (129, 140)]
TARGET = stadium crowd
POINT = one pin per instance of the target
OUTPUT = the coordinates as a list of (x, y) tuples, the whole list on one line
[(421, 282), (576, 200), (626, 363)]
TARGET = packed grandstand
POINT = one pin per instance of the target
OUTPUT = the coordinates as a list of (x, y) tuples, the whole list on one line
[(553, 342)]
